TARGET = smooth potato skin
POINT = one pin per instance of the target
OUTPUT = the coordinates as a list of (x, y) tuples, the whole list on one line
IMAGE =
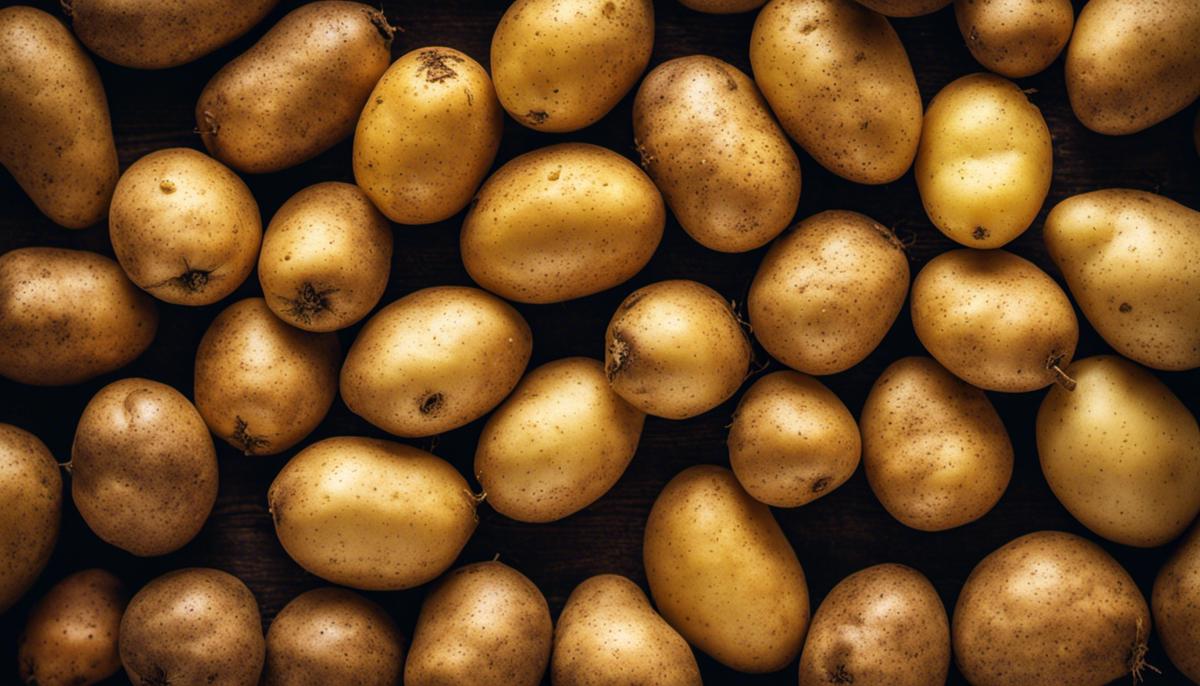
[(1176, 605), (70, 638), (1015, 38), (58, 140), (722, 6), (905, 8), (32, 487)]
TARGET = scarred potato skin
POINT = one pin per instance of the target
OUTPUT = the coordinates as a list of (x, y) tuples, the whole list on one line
[(1015, 38), (32, 488), (722, 6), (1176, 605), (70, 638), (905, 8)]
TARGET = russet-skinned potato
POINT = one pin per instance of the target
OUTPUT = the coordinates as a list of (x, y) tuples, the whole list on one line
[(32, 487), (70, 638)]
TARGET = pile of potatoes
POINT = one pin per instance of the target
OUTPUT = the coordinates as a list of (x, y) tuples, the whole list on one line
[(719, 152)]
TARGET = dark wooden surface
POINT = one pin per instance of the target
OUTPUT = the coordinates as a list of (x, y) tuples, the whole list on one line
[(834, 536)]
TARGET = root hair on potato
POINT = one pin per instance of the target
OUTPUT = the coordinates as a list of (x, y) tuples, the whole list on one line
[(1137, 655), (386, 30), (1060, 376), (242, 436)]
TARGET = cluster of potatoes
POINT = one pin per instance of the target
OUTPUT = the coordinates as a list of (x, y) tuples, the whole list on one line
[(1119, 450)]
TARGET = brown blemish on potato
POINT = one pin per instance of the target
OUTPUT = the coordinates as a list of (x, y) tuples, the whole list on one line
[(309, 302), (609, 10), (1125, 307), (821, 484), (980, 233), (840, 676), (386, 30), (537, 117), (436, 65), (619, 352), (242, 436), (432, 404)]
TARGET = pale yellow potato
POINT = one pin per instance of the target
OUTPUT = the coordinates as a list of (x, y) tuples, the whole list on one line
[(31, 488), (827, 292), (935, 451), (722, 572), (609, 635), (562, 222), (1132, 262), (70, 638), (792, 440), (905, 8), (1015, 38), (561, 65), (558, 443), (184, 227), (325, 258), (722, 6), (435, 360), (712, 147), (1176, 605), (994, 320), (838, 78)]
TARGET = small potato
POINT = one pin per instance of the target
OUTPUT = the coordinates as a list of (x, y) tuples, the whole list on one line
[(70, 638), (722, 6), (561, 65), (792, 440), (905, 8), (1176, 605), (1015, 38), (184, 227), (325, 258), (827, 293), (560, 223), (31, 489), (261, 385)]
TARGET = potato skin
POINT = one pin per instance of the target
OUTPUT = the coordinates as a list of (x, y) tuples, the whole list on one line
[(1015, 38), (904, 8), (70, 638), (722, 6), (1176, 605), (840, 82), (32, 488)]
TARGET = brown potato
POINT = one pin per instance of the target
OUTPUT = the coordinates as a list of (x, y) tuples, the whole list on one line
[(70, 638), (31, 488), (905, 8), (1015, 38), (1176, 605)]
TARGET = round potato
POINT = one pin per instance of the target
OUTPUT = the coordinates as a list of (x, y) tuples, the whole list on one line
[(722, 6), (1176, 605), (1015, 38), (905, 8), (31, 488), (70, 638)]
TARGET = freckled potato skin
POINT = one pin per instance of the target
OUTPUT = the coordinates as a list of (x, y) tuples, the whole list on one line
[(905, 8), (70, 638), (1176, 605), (882, 626), (840, 82), (561, 65), (712, 147), (1048, 608), (1015, 38), (792, 440), (31, 487), (1132, 261), (299, 90), (608, 635), (722, 6), (935, 451), (722, 572)]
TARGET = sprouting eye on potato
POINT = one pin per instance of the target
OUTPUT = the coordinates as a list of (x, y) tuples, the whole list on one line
[(31, 488), (71, 634)]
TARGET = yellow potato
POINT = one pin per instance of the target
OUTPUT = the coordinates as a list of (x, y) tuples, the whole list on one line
[(722, 6), (1015, 38), (31, 489), (905, 8), (1176, 605), (70, 638)]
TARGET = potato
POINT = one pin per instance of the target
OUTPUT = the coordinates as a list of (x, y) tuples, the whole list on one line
[(299, 90), (994, 320), (1131, 65), (883, 625), (484, 624), (840, 82), (1050, 608), (561, 65), (1015, 38), (722, 6), (67, 316), (712, 147), (559, 442), (1132, 261), (827, 293), (193, 626), (325, 258), (371, 514), (428, 136), (31, 489), (722, 572), (184, 227), (792, 440), (70, 638), (905, 8), (261, 385), (560, 223), (675, 349), (333, 636), (58, 140), (935, 451), (608, 635), (1176, 605)]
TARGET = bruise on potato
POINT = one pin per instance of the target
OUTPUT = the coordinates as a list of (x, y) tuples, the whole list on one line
[(70, 638)]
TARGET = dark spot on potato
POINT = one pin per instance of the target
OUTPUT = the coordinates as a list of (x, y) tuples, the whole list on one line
[(432, 404), (619, 351), (309, 302), (839, 675), (386, 30), (980, 233), (192, 280), (537, 118), (1125, 307), (156, 677), (609, 9), (821, 484), (859, 56), (242, 436), (437, 65)]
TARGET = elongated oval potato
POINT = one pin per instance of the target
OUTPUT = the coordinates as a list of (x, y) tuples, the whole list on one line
[(1132, 261), (561, 65), (299, 90), (1131, 65), (1015, 38), (558, 443), (31, 488), (935, 451), (609, 635), (722, 572), (67, 316), (722, 6), (560, 223), (1176, 605), (428, 136), (70, 638), (905, 8), (58, 140), (712, 147), (837, 76), (994, 320)]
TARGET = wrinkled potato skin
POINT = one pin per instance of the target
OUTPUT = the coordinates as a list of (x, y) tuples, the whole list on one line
[(840, 82), (1176, 605), (827, 292), (1132, 261), (792, 440), (904, 8), (722, 6), (712, 147), (1015, 38), (609, 635), (558, 443), (722, 572), (299, 90), (70, 638), (31, 487), (935, 451), (58, 139), (1048, 608), (561, 65), (560, 223), (45, 292)]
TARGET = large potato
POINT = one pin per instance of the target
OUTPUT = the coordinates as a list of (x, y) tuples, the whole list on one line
[(722, 6), (840, 82), (31, 489), (1176, 605), (905, 8), (560, 223), (1015, 38), (70, 638), (712, 147)]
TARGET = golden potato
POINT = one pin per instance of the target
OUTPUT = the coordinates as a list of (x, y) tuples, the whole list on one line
[(722, 6), (1015, 38), (70, 638), (31, 488), (905, 8), (1176, 605)]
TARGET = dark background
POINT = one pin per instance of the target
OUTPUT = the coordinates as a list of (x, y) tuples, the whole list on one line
[(843, 532)]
